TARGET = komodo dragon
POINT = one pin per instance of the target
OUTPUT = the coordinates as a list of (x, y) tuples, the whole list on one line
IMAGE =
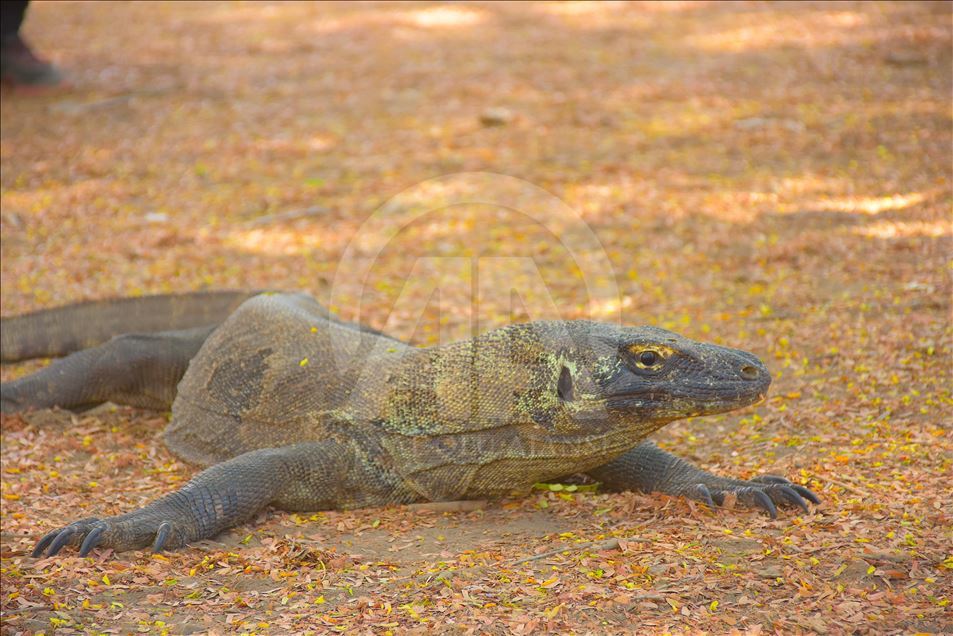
[(289, 406)]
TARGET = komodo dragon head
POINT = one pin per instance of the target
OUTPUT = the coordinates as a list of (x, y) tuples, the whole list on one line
[(650, 375), (605, 378)]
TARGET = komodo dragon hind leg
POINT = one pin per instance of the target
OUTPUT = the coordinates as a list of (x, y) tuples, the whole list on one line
[(218, 498), (137, 370), (650, 469)]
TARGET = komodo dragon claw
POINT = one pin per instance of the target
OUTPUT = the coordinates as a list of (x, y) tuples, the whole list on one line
[(56, 539), (90, 533), (766, 492)]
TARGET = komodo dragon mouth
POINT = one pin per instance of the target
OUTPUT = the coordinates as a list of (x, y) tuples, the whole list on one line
[(257, 397)]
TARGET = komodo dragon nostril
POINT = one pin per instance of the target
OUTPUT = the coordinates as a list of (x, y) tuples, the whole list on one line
[(749, 372)]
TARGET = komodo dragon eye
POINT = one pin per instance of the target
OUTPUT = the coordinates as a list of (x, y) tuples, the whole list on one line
[(649, 358), (646, 360)]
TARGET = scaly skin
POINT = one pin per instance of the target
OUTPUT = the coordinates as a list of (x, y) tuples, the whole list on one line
[(290, 407)]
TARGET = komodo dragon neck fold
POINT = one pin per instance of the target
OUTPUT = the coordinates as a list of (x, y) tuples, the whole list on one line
[(292, 407)]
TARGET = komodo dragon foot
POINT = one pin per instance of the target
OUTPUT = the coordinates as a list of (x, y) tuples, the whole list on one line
[(766, 492), (650, 469), (218, 498)]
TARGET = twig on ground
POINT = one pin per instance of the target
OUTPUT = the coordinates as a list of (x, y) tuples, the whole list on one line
[(290, 215), (597, 546), (783, 423), (848, 487), (19, 610), (76, 107), (783, 315), (450, 506)]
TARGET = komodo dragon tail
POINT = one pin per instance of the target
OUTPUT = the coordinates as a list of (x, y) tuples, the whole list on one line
[(62, 330)]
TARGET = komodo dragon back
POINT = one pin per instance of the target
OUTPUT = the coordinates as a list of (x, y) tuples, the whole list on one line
[(275, 373)]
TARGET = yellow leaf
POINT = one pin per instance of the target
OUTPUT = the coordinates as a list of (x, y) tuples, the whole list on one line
[(550, 582)]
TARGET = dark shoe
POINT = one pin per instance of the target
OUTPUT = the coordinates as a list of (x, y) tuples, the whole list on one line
[(18, 65)]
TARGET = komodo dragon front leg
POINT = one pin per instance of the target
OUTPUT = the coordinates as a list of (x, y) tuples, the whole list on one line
[(648, 468), (308, 476), (140, 370)]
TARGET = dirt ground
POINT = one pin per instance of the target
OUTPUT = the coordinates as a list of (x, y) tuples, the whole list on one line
[(774, 177)]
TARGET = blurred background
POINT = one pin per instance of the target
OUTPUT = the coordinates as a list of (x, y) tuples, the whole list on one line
[(772, 176), (730, 158)]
